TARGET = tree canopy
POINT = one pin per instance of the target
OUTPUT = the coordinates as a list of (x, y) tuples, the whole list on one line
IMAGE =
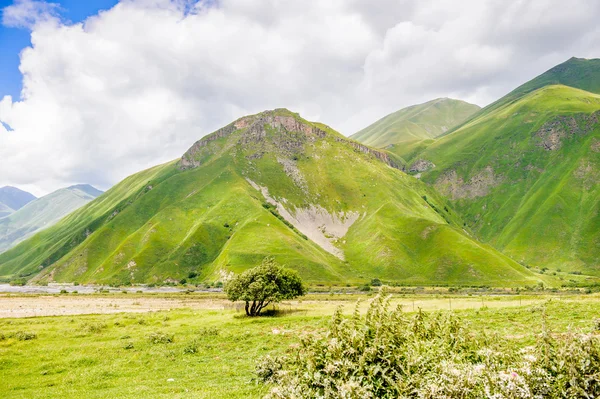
[(263, 285)]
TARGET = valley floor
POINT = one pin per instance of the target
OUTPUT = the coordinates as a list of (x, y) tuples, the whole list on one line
[(201, 346)]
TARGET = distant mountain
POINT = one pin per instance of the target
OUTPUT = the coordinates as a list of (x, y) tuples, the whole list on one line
[(407, 128), (270, 184), (5, 210), (524, 172), (13, 199), (43, 213)]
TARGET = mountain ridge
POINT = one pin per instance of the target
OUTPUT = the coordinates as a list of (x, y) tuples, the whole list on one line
[(12, 199), (42, 213), (275, 185), (414, 125)]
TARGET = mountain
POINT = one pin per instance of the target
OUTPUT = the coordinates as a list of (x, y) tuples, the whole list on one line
[(525, 172), (579, 73), (415, 126), (12, 199), (5, 210), (270, 184), (43, 213)]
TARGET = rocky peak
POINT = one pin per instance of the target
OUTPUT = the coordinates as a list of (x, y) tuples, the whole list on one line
[(254, 128), (278, 130)]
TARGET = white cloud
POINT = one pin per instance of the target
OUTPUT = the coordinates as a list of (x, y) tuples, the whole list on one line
[(28, 13), (136, 85)]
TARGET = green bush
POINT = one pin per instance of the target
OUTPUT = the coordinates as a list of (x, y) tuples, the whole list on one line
[(263, 285), (365, 288), (388, 354), (161, 338), (93, 328), (209, 332), (25, 336), (191, 348)]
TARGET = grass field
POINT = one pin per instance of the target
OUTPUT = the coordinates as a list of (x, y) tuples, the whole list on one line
[(211, 352)]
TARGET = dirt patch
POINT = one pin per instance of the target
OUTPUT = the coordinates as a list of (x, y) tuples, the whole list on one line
[(427, 231), (596, 145), (48, 305), (322, 227), (453, 186)]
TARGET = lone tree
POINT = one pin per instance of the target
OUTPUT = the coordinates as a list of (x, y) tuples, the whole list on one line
[(263, 285)]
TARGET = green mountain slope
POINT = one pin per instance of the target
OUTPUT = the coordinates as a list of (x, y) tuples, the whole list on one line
[(270, 184), (579, 73), (43, 213), (526, 176), (410, 126), (12, 199)]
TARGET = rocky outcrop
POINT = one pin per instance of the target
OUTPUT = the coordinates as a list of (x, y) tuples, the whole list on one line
[(453, 186), (256, 130), (421, 165), (551, 134), (188, 160), (382, 156), (291, 169), (287, 132)]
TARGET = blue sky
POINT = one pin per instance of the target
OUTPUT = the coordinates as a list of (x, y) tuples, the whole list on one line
[(13, 40)]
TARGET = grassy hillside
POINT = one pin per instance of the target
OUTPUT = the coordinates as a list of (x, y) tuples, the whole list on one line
[(579, 73), (12, 199), (43, 213), (268, 184), (526, 177), (410, 126)]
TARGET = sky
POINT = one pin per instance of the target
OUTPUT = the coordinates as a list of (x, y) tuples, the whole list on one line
[(93, 91)]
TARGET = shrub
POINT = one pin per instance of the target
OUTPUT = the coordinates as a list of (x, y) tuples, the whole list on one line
[(376, 282), (365, 288), (25, 336), (263, 285), (161, 338), (268, 368), (191, 348), (209, 331), (93, 328), (388, 354)]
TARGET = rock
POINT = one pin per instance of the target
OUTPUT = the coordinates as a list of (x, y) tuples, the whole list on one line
[(453, 186), (421, 165), (553, 132)]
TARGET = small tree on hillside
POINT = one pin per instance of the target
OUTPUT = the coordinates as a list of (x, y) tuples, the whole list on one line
[(263, 285)]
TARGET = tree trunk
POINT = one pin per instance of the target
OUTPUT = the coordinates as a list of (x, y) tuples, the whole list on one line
[(246, 307)]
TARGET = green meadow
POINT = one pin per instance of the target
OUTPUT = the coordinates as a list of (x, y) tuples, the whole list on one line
[(212, 353)]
